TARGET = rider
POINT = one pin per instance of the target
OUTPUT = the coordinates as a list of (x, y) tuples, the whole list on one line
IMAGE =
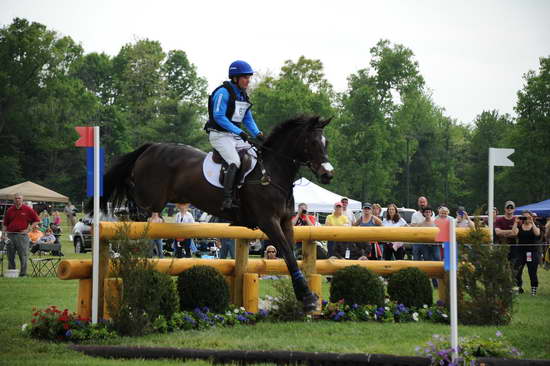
[(228, 108)]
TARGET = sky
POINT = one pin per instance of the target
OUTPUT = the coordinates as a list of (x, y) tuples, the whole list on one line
[(472, 54)]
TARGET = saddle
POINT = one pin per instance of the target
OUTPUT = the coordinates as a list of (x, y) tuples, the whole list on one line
[(246, 163)]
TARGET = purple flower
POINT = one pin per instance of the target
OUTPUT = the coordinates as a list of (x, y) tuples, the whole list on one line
[(263, 313), (499, 333), (429, 313), (324, 302), (354, 306), (68, 333), (242, 318), (440, 303), (205, 309)]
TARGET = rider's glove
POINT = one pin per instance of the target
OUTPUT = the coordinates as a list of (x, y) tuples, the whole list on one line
[(244, 136), (260, 137)]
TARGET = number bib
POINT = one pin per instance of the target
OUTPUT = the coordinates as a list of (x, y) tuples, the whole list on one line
[(240, 110)]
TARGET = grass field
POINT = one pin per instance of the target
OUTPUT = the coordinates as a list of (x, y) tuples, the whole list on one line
[(529, 330)]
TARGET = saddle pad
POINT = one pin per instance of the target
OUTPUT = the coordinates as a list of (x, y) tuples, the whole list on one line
[(211, 170)]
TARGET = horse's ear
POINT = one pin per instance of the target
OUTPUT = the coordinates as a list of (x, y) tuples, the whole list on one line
[(323, 123)]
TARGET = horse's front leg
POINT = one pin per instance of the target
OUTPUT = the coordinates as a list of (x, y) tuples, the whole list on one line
[(309, 299), (283, 238)]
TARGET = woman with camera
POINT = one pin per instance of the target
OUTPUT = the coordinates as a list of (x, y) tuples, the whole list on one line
[(527, 252)]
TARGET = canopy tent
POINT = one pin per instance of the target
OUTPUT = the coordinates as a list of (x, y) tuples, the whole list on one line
[(540, 208), (32, 192), (318, 199)]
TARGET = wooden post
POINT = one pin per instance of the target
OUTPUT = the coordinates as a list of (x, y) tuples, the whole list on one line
[(103, 274), (309, 255), (111, 299), (84, 301), (230, 280), (241, 262), (251, 291), (315, 285)]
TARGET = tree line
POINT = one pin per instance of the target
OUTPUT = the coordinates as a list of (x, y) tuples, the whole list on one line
[(389, 141)]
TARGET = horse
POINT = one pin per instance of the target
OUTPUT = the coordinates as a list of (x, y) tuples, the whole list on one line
[(158, 173)]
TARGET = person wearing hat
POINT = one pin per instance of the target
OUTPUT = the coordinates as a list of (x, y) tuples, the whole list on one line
[(228, 109), (345, 211), (367, 218), (503, 229), (337, 218)]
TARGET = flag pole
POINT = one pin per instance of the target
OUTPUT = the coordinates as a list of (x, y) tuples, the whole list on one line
[(491, 204), (95, 237), (453, 288)]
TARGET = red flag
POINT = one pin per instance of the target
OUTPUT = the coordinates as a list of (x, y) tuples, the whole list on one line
[(86, 137), (443, 235)]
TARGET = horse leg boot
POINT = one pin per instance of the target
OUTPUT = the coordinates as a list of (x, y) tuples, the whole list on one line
[(228, 185)]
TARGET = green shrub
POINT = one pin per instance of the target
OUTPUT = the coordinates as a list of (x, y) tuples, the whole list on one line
[(285, 306), (485, 282), (410, 287), (201, 286), (357, 285)]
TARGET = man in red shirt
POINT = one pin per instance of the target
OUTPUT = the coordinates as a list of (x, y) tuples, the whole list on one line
[(15, 228), (302, 219)]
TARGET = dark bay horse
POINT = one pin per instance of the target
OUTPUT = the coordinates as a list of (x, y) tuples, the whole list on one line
[(155, 174)]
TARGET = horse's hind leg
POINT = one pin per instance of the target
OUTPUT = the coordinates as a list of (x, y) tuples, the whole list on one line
[(279, 235)]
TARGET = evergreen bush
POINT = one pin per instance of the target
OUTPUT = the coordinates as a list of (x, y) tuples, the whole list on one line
[(285, 306), (410, 287), (201, 286), (485, 282), (357, 285)]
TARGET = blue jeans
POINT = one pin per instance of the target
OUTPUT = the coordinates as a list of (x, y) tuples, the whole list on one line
[(228, 247), (426, 252), (157, 244)]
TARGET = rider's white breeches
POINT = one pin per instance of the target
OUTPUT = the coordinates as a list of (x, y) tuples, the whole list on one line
[(227, 144)]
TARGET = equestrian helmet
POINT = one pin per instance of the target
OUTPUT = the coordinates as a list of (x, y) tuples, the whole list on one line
[(238, 68)]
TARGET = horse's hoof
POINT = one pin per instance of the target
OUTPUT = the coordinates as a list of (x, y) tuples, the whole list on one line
[(310, 303)]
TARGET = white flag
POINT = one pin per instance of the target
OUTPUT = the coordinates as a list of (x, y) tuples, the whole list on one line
[(499, 157)]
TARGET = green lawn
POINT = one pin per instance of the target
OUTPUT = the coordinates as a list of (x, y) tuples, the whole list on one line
[(529, 330)]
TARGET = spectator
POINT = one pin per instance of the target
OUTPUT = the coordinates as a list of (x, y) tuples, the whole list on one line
[(351, 250), (368, 219), (443, 213), (270, 252), (393, 219), (527, 252), (70, 212), (182, 245), (156, 244), (462, 218), (503, 229), (56, 218), (377, 210), (416, 219), (35, 235), (15, 227), (227, 245), (45, 220), (427, 252), (346, 212), (335, 219), (302, 219), (47, 238)]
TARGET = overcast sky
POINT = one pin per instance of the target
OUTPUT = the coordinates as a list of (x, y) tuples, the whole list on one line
[(471, 53)]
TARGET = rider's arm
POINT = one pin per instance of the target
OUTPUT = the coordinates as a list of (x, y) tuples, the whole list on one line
[(219, 109), (250, 123)]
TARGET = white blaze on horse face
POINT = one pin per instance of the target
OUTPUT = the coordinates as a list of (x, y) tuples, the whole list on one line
[(324, 141), (328, 167)]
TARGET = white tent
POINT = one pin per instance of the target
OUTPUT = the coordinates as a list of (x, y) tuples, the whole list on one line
[(317, 198)]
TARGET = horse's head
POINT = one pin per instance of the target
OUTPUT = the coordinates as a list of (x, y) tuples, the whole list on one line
[(315, 150)]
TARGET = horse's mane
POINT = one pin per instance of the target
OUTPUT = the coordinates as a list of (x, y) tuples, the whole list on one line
[(291, 126)]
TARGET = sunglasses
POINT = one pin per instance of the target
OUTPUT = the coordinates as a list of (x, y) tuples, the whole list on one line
[(510, 207), (271, 251)]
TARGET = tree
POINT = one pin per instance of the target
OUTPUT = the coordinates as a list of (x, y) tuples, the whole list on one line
[(530, 176)]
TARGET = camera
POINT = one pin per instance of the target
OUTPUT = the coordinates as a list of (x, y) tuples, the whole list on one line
[(304, 212), (523, 218), (460, 213)]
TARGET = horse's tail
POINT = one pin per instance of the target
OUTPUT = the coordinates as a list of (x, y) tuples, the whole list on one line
[(117, 187)]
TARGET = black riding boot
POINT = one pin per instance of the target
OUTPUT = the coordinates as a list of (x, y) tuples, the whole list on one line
[(228, 184)]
